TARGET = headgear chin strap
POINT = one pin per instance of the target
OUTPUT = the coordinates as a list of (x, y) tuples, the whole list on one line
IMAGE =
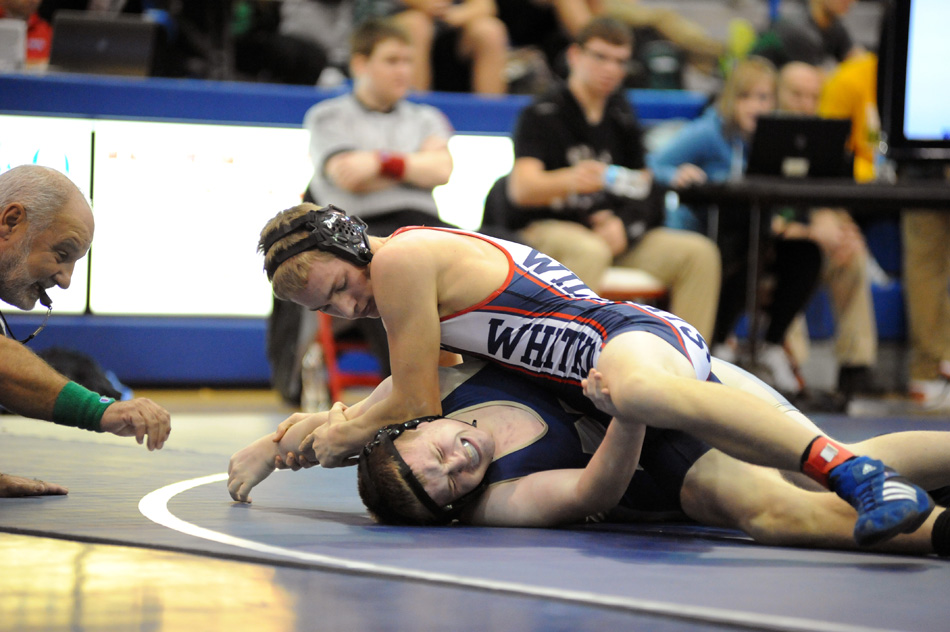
[(384, 440), (331, 230)]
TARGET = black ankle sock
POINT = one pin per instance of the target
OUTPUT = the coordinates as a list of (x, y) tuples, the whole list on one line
[(940, 537)]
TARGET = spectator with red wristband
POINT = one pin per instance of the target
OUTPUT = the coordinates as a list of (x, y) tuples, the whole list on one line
[(376, 154), (46, 226), (372, 150)]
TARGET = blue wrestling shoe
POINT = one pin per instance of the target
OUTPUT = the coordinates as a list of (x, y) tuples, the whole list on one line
[(887, 503)]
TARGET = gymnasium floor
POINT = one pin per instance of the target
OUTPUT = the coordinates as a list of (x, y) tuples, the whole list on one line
[(152, 541)]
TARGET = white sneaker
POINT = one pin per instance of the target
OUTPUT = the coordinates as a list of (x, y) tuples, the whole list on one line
[(931, 394), (773, 357)]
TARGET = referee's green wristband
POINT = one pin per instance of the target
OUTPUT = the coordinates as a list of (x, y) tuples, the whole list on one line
[(79, 407)]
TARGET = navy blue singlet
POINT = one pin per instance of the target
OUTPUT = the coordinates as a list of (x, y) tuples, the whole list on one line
[(666, 456)]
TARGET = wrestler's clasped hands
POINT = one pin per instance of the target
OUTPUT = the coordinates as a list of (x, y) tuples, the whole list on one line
[(321, 444)]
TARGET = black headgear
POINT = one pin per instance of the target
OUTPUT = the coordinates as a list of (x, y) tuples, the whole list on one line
[(384, 440), (331, 230)]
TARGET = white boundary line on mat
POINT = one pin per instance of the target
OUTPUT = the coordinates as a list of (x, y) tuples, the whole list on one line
[(154, 506)]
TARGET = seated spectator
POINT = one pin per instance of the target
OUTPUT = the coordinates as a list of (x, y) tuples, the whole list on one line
[(551, 25), (814, 34), (925, 233), (375, 154), (560, 196), (458, 46), (799, 88), (926, 246), (39, 33), (325, 25), (548, 25), (700, 49), (845, 269), (851, 92), (714, 148), (289, 42)]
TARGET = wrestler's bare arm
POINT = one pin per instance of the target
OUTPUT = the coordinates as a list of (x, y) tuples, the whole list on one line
[(405, 289), (252, 464), (559, 497), (418, 277), (294, 449), (281, 449)]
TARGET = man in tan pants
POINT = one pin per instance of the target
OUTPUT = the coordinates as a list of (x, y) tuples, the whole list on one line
[(926, 237), (802, 90), (573, 149)]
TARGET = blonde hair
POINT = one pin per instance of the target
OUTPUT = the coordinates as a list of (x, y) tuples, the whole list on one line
[(746, 74), (291, 276)]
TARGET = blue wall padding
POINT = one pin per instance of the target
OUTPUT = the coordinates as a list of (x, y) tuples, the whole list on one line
[(161, 350), (189, 100)]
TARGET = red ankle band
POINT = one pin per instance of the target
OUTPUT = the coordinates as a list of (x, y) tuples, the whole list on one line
[(821, 456)]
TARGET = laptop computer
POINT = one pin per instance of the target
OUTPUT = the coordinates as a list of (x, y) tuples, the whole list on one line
[(800, 146), (115, 45)]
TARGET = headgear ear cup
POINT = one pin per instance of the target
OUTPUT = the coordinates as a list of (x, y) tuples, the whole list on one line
[(341, 235), (331, 230)]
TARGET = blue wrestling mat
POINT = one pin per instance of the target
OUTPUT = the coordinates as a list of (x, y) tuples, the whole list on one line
[(335, 569)]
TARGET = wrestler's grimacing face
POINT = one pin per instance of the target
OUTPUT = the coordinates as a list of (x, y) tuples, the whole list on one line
[(451, 457)]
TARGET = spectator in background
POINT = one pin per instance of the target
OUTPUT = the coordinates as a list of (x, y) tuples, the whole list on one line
[(851, 92), (926, 247), (799, 88), (547, 25), (551, 25), (699, 48), (926, 240), (374, 154), (714, 148), (845, 267), (458, 45), (558, 190), (39, 33), (322, 24), (288, 42), (814, 34)]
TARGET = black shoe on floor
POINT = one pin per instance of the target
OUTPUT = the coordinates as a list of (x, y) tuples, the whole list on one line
[(858, 380), (818, 401)]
